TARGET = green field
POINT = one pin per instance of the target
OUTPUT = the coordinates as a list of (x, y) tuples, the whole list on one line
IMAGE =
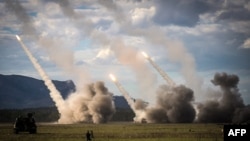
[(117, 132)]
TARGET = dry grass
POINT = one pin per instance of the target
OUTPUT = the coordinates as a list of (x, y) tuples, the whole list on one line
[(117, 132)]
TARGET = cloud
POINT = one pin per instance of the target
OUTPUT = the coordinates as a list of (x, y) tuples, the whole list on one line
[(198, 30), (104, 53), (191, 13), (141, 16), (247, 6), (180, 12), (234, 11), (45, 58), (246, 43), (22, 16)]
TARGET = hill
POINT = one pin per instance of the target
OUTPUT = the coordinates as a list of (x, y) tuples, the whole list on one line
[(19, 92)]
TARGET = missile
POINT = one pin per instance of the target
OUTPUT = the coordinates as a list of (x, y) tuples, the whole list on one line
[(144, 54), (112, 77), (18, 38), (161, 72)]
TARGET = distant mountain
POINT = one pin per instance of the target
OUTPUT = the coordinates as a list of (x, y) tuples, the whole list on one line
[(18, 92)]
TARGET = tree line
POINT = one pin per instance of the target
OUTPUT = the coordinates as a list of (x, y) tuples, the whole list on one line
[(50, 114)]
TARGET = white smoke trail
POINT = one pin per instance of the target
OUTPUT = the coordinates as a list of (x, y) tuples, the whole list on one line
[(54, 93), (161, 72), (124, 92), (139, 113)]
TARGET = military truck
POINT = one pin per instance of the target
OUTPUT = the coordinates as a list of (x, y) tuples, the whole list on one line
[(25, 124)]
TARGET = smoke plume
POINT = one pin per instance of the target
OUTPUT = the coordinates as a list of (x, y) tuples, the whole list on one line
[(129, 56), (137, 106), (160, 71), (173, 105), (54, 93), (94, 103), (230, 107)]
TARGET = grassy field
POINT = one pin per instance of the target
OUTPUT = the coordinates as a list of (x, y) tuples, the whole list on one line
[(117, 132)]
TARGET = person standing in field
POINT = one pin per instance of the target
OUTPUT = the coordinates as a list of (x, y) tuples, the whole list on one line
[(88, 136)]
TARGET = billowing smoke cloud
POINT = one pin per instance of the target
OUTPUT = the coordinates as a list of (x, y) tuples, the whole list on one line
[(230, 108), (102, 98), (139, 104), (174, 104), (93, 104)]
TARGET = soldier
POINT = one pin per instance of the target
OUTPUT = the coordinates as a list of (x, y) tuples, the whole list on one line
[(88, 136)]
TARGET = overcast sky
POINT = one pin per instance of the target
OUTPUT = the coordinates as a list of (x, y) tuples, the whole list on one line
[(85, 40)]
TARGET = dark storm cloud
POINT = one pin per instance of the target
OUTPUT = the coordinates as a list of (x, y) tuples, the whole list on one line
[(237, 14), (186, 13), (234, 11), (180, 12), (235, 17)]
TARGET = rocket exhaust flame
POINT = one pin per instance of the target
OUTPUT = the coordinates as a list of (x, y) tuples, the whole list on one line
[(144, 54), (18, 38), (54, 93), (112, 77), (161, 72)]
